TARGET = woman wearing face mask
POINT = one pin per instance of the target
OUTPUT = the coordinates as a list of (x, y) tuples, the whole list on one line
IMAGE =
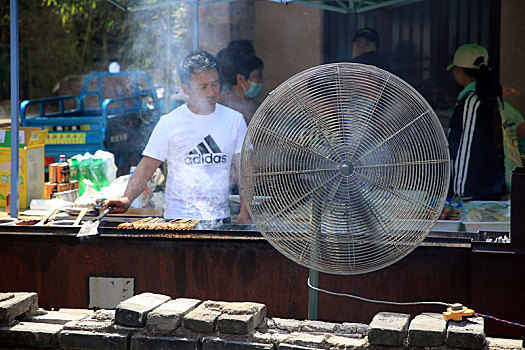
[(242, 84)]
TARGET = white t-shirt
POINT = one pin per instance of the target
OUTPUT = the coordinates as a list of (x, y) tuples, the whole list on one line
[(199, 150)]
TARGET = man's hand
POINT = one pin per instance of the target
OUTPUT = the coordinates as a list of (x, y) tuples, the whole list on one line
[(120, 205)]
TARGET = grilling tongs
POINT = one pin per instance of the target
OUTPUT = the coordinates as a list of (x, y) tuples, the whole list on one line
[(90, 228)]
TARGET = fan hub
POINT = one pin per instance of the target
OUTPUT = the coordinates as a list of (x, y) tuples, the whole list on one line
[(346, 168)]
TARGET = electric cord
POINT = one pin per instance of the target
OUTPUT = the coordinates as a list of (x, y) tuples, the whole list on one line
[(500, 320), (406, 303), (380, 301)]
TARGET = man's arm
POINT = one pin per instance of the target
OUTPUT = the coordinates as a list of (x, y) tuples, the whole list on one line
[(136, 185), (244, 217)]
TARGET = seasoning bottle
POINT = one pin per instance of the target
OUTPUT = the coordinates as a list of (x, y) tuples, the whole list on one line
[(63, 170), (8, 203)]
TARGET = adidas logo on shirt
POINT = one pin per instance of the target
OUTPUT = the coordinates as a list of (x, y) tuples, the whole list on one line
[(206, 152)]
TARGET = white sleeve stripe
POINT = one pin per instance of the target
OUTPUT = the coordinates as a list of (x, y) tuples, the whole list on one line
[(471, 137), (463, 155)]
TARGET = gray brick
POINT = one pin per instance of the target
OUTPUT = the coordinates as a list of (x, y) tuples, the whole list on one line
[(427, 329), (235, 324), (357, 330), (90, 325), (201, 320), (93, 340), (468, 334), (305, 339), (134, 311), (59, 317), (292, 347), (214, 343), (289, 325), (340, 342), (169, 315), (17, 305), (388, 328), (317, 326), (31, 334), (502, 343), (143, 342), (6, 296)]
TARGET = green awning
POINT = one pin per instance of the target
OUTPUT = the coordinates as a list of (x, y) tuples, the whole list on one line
[(343, 6)]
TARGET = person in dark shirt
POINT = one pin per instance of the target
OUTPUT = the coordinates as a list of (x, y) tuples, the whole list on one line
[(475, 135), (364, 49)]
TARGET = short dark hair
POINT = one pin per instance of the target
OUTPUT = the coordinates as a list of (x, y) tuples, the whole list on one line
[(241, 64), (198, 60), (241, 46)]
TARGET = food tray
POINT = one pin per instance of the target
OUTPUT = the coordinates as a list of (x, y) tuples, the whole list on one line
[(447, 226), (496, 226)]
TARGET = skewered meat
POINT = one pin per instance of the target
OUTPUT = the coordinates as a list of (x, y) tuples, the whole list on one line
[(159, 224)]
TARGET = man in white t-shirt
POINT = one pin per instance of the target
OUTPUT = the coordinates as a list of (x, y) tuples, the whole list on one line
[(199, 140)]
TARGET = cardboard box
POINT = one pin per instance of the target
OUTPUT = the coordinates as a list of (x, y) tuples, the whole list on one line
[(31, 164)]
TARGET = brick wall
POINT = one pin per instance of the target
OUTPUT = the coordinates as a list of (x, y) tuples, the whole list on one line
[(154, 321)]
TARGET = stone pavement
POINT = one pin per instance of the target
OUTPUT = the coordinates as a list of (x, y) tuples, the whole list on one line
[(154, 321)]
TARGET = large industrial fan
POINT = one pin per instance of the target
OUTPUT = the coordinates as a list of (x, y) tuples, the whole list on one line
[(345, 168)]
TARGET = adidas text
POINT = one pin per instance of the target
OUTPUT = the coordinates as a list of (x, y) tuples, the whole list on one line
[(206, 159)]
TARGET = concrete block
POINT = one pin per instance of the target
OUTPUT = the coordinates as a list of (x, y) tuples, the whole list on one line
[(316, 341), (93, 340), (201, 320), (355, 330), (104, 315), (243, 308), (41, 335), (144, 342), (292, 347), (134, 311), (169, 315), (58, 317), (317, 326), (388, 328), (427, 329), (467, 334), (235, 324), (16, 304), (6, 296), (89, 325), (340, 342), (215, 343), (502, 343), (289, 325)]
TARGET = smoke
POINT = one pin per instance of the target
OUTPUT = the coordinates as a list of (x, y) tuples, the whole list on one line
[(205, 190), (158, 40)]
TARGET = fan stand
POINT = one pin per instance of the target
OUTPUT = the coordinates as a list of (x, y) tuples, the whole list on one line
[(313, 295)]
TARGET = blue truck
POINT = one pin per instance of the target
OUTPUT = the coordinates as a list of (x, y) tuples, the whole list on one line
[(115, 112)]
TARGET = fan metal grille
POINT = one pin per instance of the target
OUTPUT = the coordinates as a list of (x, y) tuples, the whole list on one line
[(345, 168)]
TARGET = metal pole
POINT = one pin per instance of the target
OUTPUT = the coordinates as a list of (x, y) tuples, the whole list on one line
[(313, 295), (15, 108), (167, 78), (195, 24)]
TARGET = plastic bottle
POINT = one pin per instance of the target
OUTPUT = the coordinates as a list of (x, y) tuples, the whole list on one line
[(99, 173), (85, 173), (73, 169)]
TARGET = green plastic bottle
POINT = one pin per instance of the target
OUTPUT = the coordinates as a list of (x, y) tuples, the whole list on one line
[(73, 169), (99, 172), (85, 173)]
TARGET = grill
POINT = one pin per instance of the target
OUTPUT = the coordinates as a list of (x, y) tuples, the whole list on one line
[(108, 228)]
